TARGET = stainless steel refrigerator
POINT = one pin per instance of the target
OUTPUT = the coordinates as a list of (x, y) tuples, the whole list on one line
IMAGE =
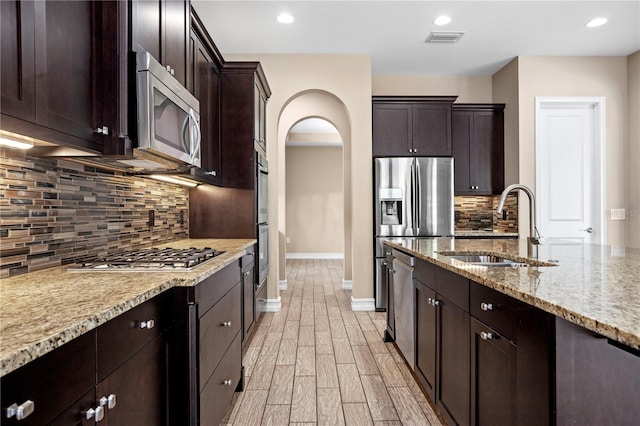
[(413, 198)]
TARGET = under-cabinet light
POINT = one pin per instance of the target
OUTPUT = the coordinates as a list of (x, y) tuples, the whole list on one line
[(174, 179), (12, 143)]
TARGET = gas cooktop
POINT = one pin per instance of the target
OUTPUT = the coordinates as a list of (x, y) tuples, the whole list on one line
[(151, 260)]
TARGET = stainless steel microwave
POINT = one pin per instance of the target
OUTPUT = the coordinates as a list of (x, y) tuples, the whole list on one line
[(168, 115)]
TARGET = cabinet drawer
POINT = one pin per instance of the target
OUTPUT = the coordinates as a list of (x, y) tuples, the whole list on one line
[(53, 382), (218, 392), (215, 334), (126, 334), (425, 272), (454, 287), (209, 291), (497, 310)]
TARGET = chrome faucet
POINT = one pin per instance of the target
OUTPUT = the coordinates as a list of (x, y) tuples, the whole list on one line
[(534, 239)]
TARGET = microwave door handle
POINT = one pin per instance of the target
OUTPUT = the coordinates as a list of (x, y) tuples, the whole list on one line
[(198, 138), (185, 127)]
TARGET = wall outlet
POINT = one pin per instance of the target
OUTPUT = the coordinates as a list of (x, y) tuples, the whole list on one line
[(288, 240), (617, 251), (618, 214)]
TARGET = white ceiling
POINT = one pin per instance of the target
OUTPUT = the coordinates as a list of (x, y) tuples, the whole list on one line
[(393, 33)]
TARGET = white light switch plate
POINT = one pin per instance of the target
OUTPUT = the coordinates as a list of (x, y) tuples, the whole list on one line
[(618, 214)]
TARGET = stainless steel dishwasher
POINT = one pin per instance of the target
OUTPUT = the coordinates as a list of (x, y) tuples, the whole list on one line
[(403, 304)]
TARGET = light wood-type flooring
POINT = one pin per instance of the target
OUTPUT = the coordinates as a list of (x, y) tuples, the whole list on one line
[(317, 362)]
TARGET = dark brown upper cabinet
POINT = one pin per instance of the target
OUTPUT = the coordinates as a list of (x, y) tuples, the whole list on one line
[(204, 83), (478, 148), (162, 27), (412, 126), (244, 93), (54, 70)]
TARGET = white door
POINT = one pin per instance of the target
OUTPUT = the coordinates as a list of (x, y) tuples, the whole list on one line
[(569, 168)]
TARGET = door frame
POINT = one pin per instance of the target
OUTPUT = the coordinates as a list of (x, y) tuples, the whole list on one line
[(598, 103)]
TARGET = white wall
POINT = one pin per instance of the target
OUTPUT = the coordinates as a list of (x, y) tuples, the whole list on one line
[(633, 152)]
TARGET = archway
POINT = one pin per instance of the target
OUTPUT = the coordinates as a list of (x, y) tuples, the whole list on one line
[(320, 104)]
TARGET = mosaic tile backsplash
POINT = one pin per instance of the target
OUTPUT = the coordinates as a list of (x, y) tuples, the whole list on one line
[(56, 212), (479, 212)]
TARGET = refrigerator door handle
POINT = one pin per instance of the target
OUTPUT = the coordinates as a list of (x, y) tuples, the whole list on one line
[(419, 197), (412, 208)]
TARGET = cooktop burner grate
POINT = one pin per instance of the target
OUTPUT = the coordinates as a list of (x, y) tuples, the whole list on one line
[(151, 259)]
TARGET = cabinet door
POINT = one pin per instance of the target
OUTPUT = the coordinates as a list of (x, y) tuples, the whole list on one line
[(206, 85), (452, 393), (260, 118), (174, 35), (487, 152), (461, 136), (493, 377), (18, 56), (161, 27), (431, 129), (140, 388), (248, 299), (426, 338), (391, 129), (68, 68)]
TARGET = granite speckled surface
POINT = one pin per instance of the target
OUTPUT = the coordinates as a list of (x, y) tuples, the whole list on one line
[(42, 310), (481, 233), (594, 286)]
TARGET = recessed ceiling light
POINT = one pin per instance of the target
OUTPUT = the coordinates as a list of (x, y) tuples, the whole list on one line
[(442, 20), (596, 22), (285, 18)]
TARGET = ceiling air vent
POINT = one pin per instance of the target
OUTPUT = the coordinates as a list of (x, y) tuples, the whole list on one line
[(444, 36)]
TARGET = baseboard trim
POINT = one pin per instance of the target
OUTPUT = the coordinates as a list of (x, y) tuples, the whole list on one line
[(273, 305), (282, 285), (364, 304), (347, 284), (314, 255)]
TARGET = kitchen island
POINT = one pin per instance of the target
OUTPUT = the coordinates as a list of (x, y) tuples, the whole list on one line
[(41, 311), (589, 286), (499, 338)]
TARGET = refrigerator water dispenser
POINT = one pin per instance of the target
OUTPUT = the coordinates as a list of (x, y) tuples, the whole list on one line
[(391, 206)]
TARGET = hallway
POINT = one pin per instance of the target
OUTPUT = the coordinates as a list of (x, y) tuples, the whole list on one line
[(317, 362)]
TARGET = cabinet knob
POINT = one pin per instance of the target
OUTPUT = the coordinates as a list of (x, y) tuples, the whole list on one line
[(486, 336), (149, 324), (436, 302), (104, 130), (227, 382), (226, 324), (486, 306), (21, 411), (246, 273), (212, 173), (95, 413), (109, 401)]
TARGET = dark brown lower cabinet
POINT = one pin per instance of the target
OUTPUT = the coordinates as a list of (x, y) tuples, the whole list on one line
[(53, 383), (247, 263), (138, 388), (452, 394), (426, 338), (442, 342), (597, 379), (493, 377)]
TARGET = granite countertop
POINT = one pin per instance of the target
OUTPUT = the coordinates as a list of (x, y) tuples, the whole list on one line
[(594, 286), (484, 233), (40, 311)]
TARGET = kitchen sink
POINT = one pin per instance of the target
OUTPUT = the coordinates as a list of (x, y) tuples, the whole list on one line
[(491, 259)]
